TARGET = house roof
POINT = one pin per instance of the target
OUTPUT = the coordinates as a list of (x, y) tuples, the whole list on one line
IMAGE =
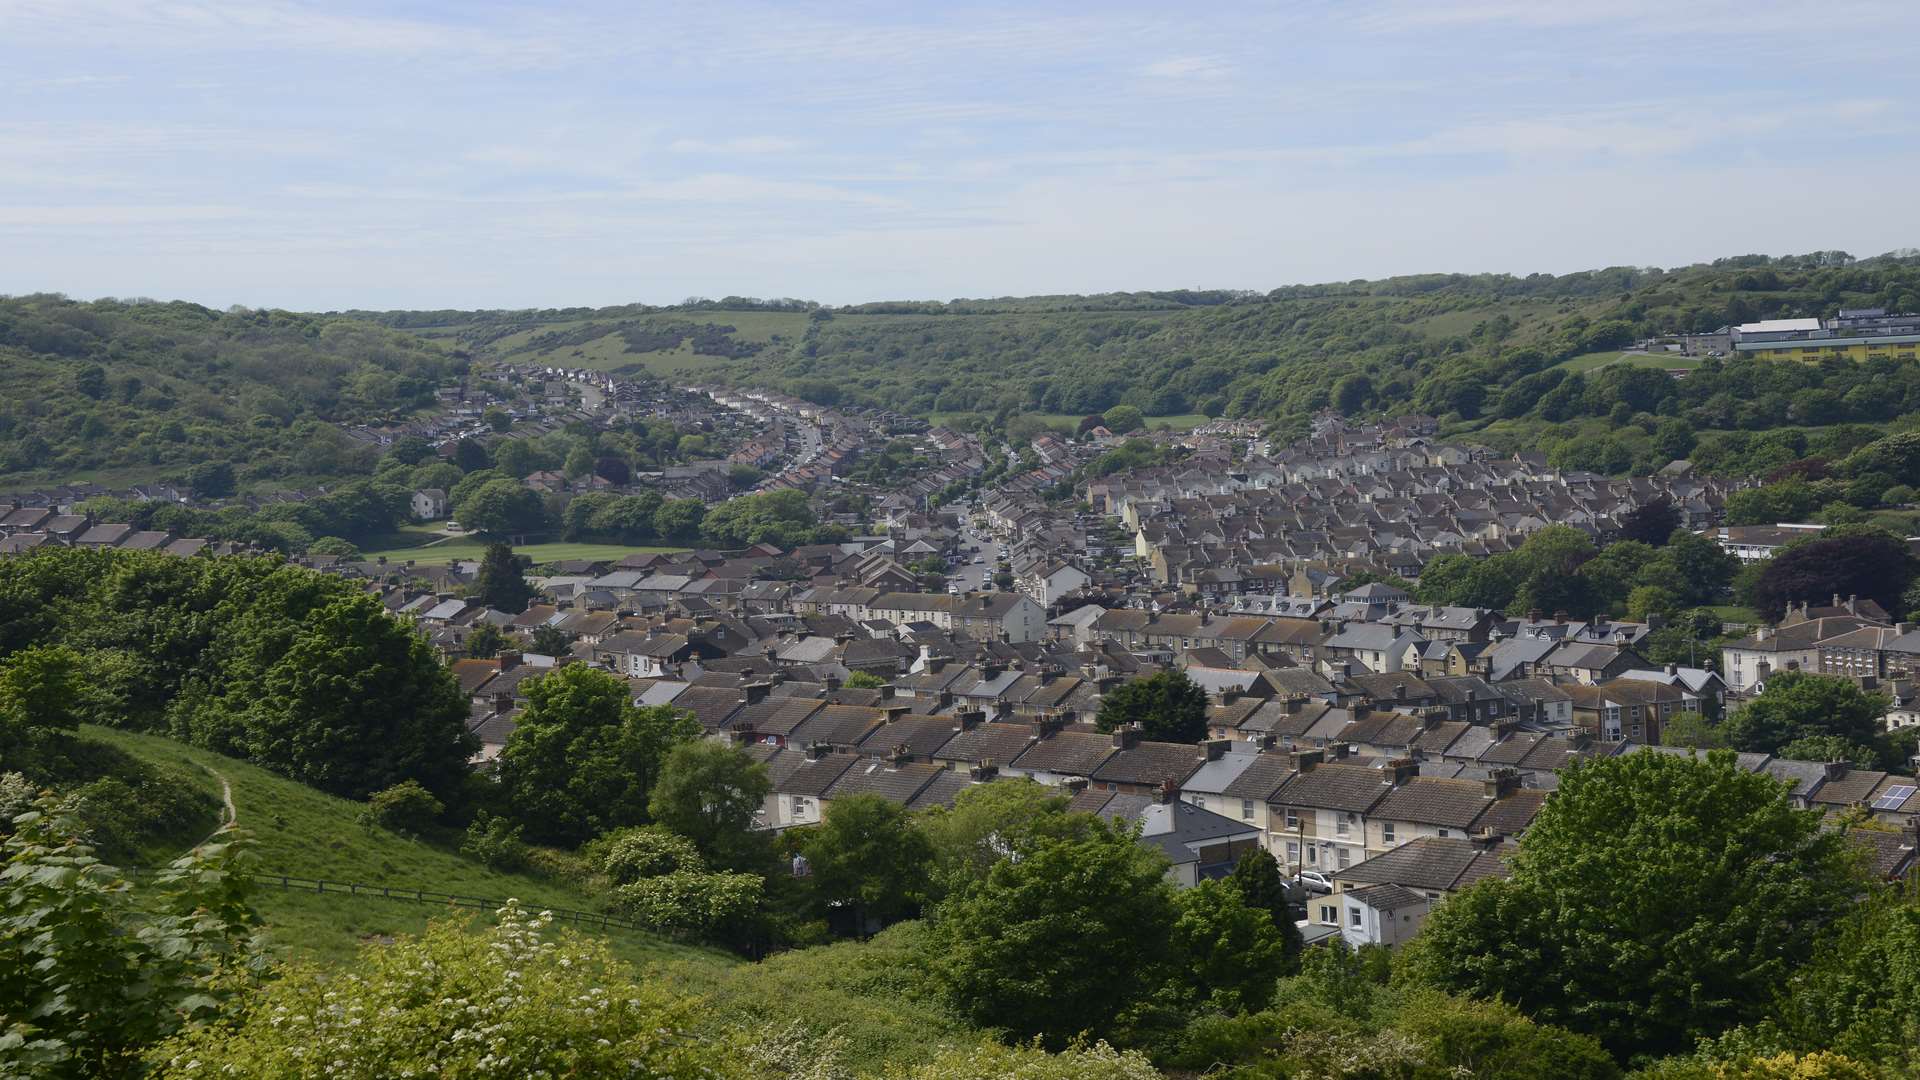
[(1335, 786), (1430, 862)]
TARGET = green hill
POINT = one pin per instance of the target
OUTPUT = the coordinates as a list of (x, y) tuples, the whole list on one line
[(302, 832), (128, 391), (871, 992)]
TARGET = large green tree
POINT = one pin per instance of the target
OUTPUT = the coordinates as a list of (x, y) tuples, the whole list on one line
[(583, 758), (358, 703), (502, 583), (1230, 954), (1655, 900), (868, 858), (710, 794), (1168, 706), (1797, 705), (1257, 878), (1071, 937)]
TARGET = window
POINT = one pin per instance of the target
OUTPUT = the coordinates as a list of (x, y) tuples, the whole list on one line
[(1200, 801), (1346, 857), (1445, 832), (1313, 855), (1329, 914), (1386, 832), (1293, 852), (799, 806), (1340, 826), (1293, 818), (1246, 809), (1353, 916)]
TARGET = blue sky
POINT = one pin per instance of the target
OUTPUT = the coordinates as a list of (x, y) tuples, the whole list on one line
[(475, 154)]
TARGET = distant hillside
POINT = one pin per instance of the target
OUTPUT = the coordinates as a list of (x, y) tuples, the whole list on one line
[(142, 390), (1498, 356)]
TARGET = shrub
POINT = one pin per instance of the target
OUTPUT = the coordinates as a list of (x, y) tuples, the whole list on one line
[(495, 841), (406, 807)]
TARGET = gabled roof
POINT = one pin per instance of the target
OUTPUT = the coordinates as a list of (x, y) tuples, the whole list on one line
[(1430, 862), (1336, 786)]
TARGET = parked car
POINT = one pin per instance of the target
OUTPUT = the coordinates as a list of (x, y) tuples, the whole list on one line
[(1315, 881)]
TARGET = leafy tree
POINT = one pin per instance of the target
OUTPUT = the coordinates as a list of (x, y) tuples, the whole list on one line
[(1830, 748), (486, 641), (1655, 900), (1703, 568), (583, 758), (1797, 705), (471, 456), (1167, 705), (44, 697), (502, 583), (211, 480), (868, 857), (551, 641), (710, 794), (497, 418), (864, 680), (783, 518), (94, 967), (357, 703), (335, 546), (501, 508), (1124, 419), (678, 520), (1869, 563), (507, 1000), (1693, 731), (989, 822), (1230, 953), (1651, 601), (1650, 523), (1861, 993), (1257, 878), (1067, 939)]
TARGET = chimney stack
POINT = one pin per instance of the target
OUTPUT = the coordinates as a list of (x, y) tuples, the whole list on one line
[(509, 659), (1212, 749), (1502, 783), (1307, 760), (1168, 792), (1124, 738)]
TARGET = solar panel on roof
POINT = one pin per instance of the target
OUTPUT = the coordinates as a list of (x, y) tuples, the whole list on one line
[(1894, 797)]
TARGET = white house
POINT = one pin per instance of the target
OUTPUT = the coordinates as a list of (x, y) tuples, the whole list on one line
[(428, 504), (1380, 914)]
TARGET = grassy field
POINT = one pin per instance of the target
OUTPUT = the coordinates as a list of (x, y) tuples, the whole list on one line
[(410, 544), (1662, 361), (302, 832)]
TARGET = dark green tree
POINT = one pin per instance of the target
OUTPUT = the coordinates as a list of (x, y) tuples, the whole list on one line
[(1068, 939), (1257, 878), (1230, 955), (501, 508), (358, 703), (1167, 705), (485, 641), (1650, 523), (710, 794), (584, 758), (551, 641), (211, 480), (1867, 562), (502, 582), (1797, 705), (1655, 900), (868, 857)]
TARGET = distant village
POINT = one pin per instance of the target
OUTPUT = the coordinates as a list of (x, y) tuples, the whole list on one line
[(1386, 752)]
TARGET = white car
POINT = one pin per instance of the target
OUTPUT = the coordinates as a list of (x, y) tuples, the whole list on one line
[(1315, 881)]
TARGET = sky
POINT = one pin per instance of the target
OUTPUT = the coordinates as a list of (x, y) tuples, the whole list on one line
[(316, 156)]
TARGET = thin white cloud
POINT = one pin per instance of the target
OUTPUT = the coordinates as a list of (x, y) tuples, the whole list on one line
[(1203, 68), (738, 144)]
